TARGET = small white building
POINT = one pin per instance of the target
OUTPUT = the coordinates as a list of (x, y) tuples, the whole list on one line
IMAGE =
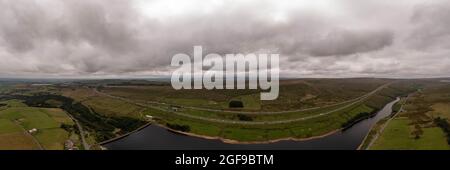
[(32, 130)]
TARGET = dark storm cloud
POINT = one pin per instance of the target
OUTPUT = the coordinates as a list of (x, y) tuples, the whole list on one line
[(114, 37)]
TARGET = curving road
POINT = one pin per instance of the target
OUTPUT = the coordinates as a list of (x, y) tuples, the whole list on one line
[(250, 112), (82, 133), (352, 102)]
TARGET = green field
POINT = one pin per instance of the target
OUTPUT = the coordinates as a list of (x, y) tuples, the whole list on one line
[(248, 133), (415, 126), (294, 94), (252, 129), (441, 110), (4, 88), (112, 107), (7, 126), (17, 141), (397, 136), (106, 109), (52, 139), (12, 136), (16, 119)]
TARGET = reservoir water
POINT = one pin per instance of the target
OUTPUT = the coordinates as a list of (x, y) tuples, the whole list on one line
[(155, 137)]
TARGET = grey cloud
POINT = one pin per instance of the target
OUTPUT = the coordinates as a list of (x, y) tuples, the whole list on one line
[(344, 42), (431, 26), (93, 35), (110, 37)]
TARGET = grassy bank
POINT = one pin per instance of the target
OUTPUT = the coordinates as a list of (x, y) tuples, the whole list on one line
[(416, 126)]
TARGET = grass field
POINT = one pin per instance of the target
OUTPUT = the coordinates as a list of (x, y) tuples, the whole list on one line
[(441, 109), (398, 136), (112, 107), (58, 115), (16, 141), (415, 128), (78, 94), (4, 88), (262, 132), (12, 136), (16, 119), (333, 100), (294, 94), (52, 139), (14, 103), (248, 133), (251, 102), (7, 126)]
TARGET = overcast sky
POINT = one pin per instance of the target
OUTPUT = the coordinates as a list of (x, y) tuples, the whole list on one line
[(320, 38)]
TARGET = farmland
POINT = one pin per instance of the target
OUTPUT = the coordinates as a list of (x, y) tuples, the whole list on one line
[(110, 108), (416, 126), (17, 119), (261, 120), (398, 136)]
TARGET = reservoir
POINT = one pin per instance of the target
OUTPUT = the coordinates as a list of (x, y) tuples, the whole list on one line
[(157, 138)]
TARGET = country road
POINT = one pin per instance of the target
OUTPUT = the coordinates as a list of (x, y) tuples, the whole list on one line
[(80, 128), (353, 101)]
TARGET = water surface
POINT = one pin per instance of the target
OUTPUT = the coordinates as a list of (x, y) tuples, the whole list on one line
[(155, 137)]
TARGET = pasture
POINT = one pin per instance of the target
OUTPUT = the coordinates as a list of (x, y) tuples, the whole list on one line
[(17, 119), (415, 127), (305, 108), (398, 136)]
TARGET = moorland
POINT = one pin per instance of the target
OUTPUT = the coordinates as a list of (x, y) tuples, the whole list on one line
[(83, 114)]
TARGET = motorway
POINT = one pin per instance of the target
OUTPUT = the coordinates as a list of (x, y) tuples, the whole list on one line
[(352, 102)]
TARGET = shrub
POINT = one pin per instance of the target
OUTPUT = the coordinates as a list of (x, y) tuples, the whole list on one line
[(244, 117), (236, 104), (443, 124), (183, 128)]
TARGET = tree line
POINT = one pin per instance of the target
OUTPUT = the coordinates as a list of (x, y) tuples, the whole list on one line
[(102, 126)]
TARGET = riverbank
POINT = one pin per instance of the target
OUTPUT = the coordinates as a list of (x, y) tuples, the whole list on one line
[(378, 127), (231, 141), (124, 135), (158, 136)]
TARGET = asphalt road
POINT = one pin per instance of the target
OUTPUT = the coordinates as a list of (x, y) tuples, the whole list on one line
[(352, 102)]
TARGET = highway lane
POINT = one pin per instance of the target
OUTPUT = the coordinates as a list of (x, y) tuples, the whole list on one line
[(252, 112), (246, 122)]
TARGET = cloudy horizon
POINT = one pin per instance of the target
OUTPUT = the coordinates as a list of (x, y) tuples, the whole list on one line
[(137, 38)]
